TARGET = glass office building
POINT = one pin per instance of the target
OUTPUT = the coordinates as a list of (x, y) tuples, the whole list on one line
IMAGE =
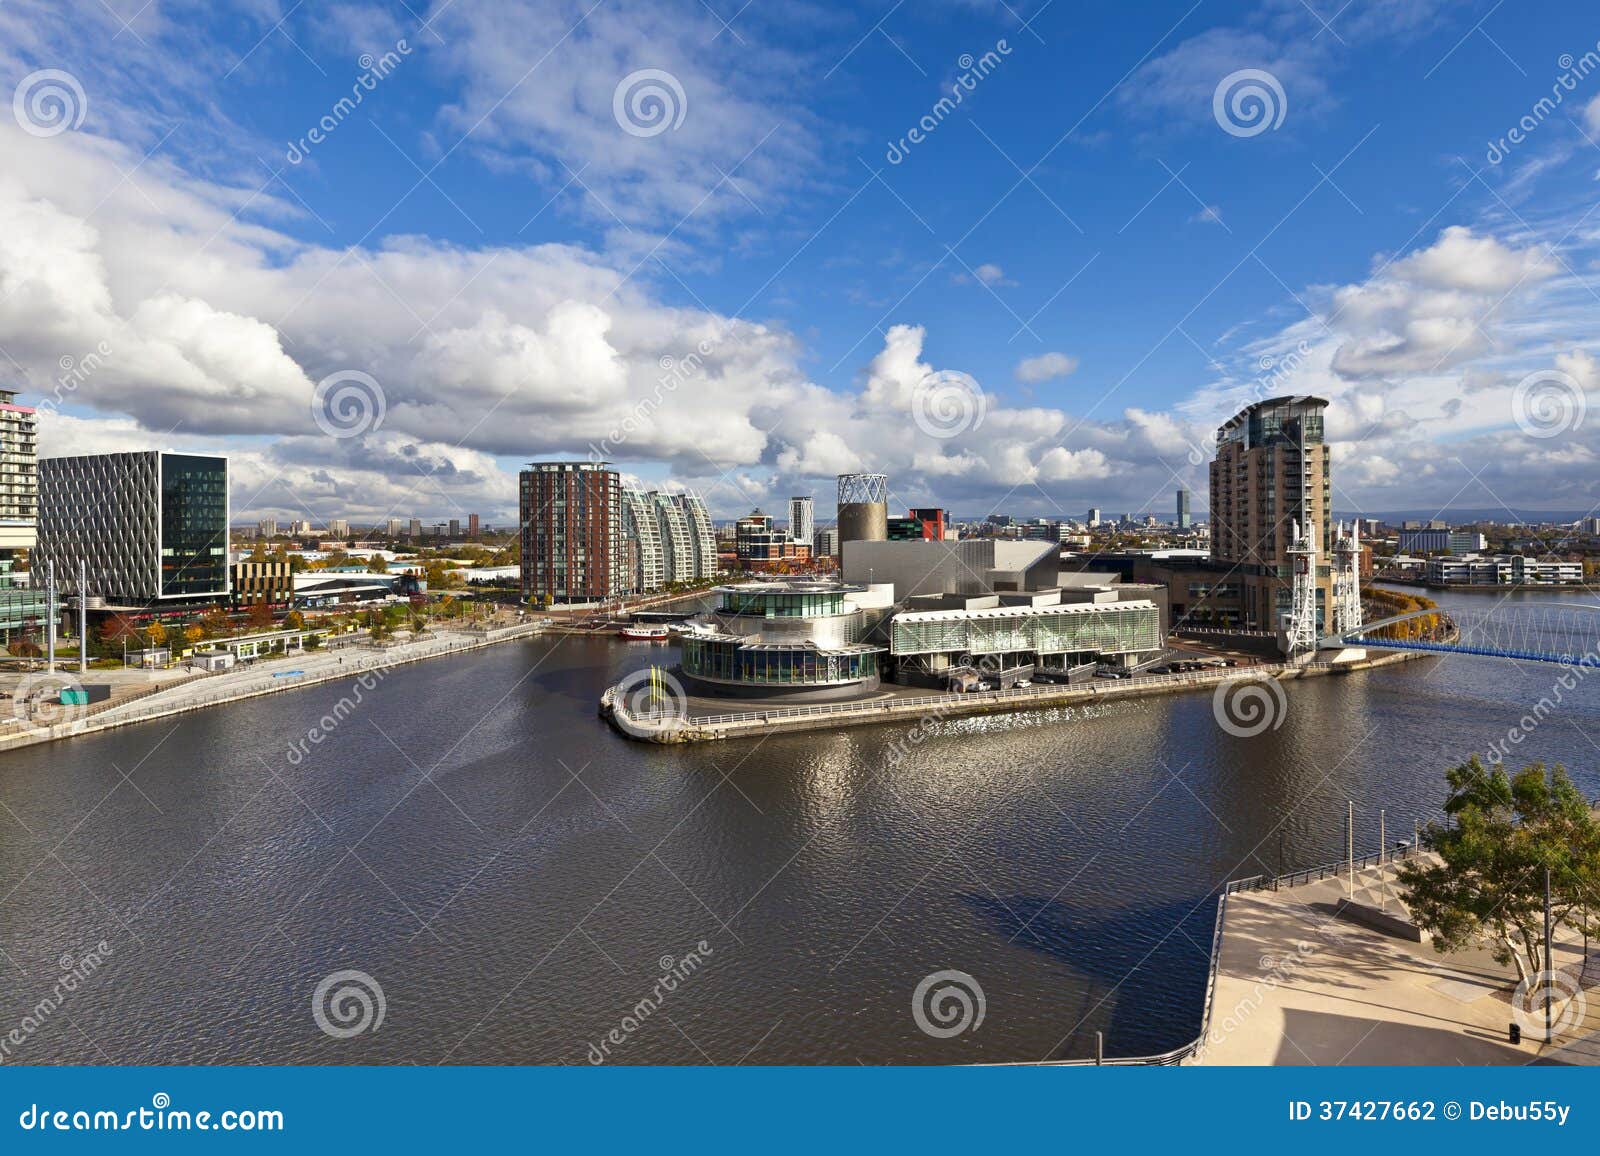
[(150, 528)]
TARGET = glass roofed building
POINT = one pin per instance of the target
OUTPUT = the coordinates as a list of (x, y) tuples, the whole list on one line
[(1053, 635), (796, 640)]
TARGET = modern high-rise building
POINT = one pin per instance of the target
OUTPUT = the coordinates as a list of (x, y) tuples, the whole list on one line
[(702, 534), (1094, 516), (338, 527), (267, 528), (572, 543), (1185, 520), (21, 607), (641, 530), (825, 542), (677, 546), (802, 519), (1271, 472), (393, 527), (414, 529), (151, 527), (455, 527), (473, 526)]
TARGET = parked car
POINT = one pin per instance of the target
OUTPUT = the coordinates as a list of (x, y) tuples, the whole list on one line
[(1022, 682)]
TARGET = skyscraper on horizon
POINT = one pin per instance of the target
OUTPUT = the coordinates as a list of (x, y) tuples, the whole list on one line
[(1185, 521), (802, 519)]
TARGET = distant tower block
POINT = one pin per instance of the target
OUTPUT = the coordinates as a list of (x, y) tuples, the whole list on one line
[(863, 508)]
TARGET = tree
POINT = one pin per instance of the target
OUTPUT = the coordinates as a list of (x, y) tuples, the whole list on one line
[(156, 633), (117, 630), (1488, 883), (260, 616), (193, 635), (294, 620)]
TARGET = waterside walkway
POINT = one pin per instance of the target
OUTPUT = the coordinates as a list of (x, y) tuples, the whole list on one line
[(1294, 984)]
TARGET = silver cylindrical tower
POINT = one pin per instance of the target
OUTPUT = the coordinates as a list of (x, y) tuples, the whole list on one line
[(863, 508)]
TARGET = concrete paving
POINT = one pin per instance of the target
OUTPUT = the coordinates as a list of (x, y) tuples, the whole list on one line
[(1297, 986)]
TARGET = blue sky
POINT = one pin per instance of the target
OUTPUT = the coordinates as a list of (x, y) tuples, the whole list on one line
[(1088, 259)]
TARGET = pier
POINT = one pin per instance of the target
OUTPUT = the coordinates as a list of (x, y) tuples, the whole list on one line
[(679, 722)]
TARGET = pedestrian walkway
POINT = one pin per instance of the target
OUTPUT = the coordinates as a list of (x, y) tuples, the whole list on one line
[(1297, 985)]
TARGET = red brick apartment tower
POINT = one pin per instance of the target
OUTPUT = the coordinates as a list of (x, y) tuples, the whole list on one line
[(571, 522)]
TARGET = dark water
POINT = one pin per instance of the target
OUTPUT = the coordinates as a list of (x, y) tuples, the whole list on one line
[(512, 873)]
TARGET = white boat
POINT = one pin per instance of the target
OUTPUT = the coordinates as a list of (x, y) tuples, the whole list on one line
[(640, 633)]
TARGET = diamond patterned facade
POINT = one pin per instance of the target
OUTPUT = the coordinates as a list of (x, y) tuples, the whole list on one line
[(150, 527)]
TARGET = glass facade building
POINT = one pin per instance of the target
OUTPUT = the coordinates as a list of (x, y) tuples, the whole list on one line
[(1088, 629), (799, 639), (149, 527)]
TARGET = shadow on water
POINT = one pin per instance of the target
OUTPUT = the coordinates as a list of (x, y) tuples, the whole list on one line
[(1123, 951)]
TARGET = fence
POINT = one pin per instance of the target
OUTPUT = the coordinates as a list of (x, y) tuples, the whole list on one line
[(1014, 695)]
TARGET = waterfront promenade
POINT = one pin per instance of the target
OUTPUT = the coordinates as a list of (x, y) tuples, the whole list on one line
[(1295, 985), (139, 696)]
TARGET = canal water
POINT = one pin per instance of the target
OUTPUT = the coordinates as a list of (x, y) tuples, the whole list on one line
[(517, 879)]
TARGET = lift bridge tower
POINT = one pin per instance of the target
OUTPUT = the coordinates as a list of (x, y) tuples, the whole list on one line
[(1300, 629), (1347, 580)]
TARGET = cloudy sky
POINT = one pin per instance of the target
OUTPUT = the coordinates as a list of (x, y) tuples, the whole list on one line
[(1015, 255)]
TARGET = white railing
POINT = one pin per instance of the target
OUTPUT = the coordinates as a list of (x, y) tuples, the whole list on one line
[(932, 702)]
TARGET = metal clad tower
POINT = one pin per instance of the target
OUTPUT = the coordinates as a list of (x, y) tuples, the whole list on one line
[(863, 508)]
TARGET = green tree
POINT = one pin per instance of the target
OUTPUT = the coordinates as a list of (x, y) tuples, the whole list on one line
[(1487, 885)]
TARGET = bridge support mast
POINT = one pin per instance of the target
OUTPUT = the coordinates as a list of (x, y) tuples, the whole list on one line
[(1347, 617)]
